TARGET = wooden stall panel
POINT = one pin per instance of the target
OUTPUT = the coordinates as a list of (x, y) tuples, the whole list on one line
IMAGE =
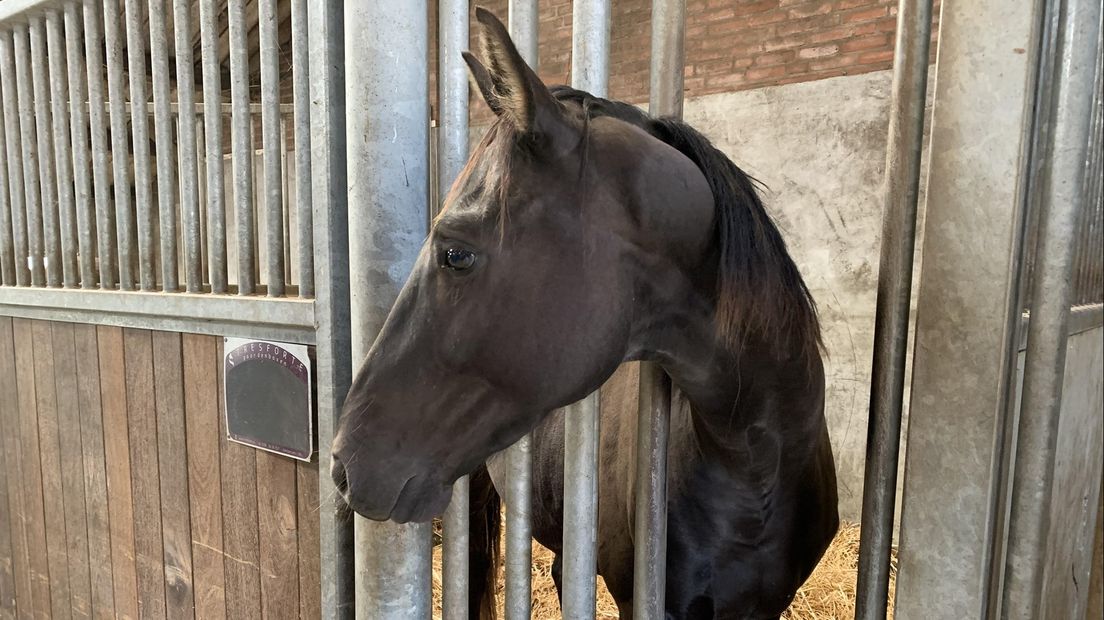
[(310, 573), (15, 584), (279, 549)]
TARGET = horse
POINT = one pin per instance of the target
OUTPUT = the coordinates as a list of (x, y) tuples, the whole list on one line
[(582, 236)]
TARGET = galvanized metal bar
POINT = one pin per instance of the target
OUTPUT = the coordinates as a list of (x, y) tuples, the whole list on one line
[(1061, 184), (15, 215), (7, 242), (242, 139), (119, 153), (63, 162), (186, 147), (29, 156), (300, 86), (79, 140), (270, 136), (519, 530), (47, 164), (665, 93), (388, 113), (106, 238), (212, 125), (326, 39), (590, 45), (891, 324), (139, 125), (162, 124), (451, 153)]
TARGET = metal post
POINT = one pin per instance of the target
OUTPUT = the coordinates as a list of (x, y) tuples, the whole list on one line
[(186, 146), (388, 145), (7, 241), (119, 152), (162, 124), (452, 152), (212, 125), (241, 125), (13, 151), (29, 157), (136, 42), (326, 38), (59, 98), (590, 44), (82, 179), (47, 165), (301, 99), (106, 241), (270, 135), (891, 325), (1061, 184)]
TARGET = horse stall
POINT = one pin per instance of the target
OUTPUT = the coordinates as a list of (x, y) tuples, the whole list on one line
[(184, 180)]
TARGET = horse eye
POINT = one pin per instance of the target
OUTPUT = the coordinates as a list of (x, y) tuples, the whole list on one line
[(458, 259)]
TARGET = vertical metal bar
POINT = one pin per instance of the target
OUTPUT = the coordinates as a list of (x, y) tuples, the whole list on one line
[(162, 124), (82, 179), (891, 324), (241, 126), (7, 241), (139, 124), (119, 151), (14, 167), (300, 86), (1062, 179), (186, 146), (452, 151), (590, 44), (329, 180), (29, 157), (212, 125), (63, 161), (654, 413), (47, 164), (389, 183), (270, 136), (106, 241)]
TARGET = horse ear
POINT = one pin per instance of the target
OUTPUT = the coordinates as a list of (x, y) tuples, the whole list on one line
[(510, 87)]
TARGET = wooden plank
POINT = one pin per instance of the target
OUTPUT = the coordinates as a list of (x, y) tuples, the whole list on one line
[(13, 470), (310, 572), (204, 487), (168, 375), (239, 520), (149, 552), (50, 453), (72, 468), (277, 515), (95, 470), (7, 552), (32, 469), (120, 501)]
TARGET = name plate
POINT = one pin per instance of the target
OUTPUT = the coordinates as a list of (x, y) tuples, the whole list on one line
[(267, 386)]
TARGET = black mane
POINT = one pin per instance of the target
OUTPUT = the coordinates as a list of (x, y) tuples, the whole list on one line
[(760, 291)]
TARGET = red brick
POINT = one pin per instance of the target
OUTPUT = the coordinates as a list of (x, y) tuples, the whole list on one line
[(818, 52), (809, 24), (833, 63), (766, 60), (865, 15), (767, 17), (766, 72), (810, 9), (865, 43), (748, 8), (843, 5), (880, 56), (724, 82)]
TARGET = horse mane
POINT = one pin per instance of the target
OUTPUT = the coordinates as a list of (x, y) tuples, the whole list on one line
[(760, 292)]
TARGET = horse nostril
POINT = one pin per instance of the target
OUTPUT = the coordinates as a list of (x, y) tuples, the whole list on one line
[(339, 475)]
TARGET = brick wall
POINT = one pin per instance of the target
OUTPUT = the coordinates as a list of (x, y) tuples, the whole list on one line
[(730, 44)]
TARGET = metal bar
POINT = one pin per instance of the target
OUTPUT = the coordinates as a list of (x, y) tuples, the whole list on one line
[(326, 38), (13, 169), (186, 147), (82, 179), (30, 158), (7, 242), (590, 44), (106, 241), (270, 136), (668, 58), (162, 123), (47, 164), (240, 128), (1062, 179), (212, 125), (891, 323), (63, 162), (452, 151), (519, 530), (139, 124), (300, 78), (389, 183), (120, 150)]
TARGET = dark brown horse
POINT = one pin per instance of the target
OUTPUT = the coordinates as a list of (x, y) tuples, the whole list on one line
[(584, 234)]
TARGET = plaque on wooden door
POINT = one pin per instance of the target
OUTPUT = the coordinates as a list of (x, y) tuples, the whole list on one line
[(268, 396)]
